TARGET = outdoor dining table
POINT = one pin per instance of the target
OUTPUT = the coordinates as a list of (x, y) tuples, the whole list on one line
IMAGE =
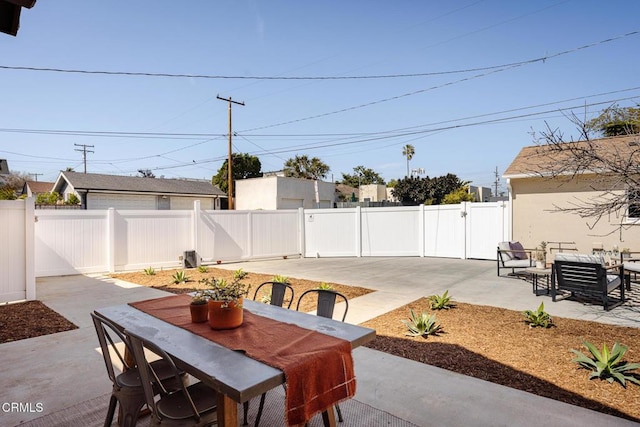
[(236, 377)]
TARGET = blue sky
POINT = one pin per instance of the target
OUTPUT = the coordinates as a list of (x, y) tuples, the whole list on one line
[(463, 122)]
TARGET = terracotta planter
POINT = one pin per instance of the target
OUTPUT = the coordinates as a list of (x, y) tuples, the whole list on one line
[(225, 317), (199, 312)]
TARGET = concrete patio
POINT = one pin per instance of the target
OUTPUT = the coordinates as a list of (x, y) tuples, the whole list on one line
[(63, 369)]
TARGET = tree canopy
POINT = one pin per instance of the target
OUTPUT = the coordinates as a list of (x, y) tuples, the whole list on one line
[(412, 191), (244, 166), (303, 167), (408, 151), (615, 121), (362, 176)]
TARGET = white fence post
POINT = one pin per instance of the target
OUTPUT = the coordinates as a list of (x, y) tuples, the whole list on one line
[(358, 233), (301, 232), (421, 221), (29, 243), (195, 232), (111, 239)]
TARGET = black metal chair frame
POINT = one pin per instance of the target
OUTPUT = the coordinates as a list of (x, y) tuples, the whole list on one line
[(127, 388), (178, 405)]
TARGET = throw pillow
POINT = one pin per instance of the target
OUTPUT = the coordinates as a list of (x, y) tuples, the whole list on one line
[(517, 251)]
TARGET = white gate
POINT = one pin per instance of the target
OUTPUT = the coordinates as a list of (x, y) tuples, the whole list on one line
[(17, 276)]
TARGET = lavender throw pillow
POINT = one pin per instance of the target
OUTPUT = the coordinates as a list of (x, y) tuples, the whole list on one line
[(517, 251)]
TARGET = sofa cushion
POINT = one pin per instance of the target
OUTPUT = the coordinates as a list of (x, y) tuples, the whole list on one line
[(573, 257)]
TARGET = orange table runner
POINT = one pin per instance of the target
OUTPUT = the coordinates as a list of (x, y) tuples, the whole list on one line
[(318, 368)]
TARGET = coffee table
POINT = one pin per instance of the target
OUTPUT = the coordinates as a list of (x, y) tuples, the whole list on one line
[(535, 274)]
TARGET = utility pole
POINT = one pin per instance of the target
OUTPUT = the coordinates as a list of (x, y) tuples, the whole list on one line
[(229, 161), (36, 175), (84, 153), (496, 182)]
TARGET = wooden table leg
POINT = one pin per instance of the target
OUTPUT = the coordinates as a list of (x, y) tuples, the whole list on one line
[(227, 411), (329, 418)]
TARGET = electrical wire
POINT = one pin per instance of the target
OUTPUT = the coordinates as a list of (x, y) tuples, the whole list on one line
[(362, 77)]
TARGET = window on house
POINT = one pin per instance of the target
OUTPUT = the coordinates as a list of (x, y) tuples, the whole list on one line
[(633, 200)]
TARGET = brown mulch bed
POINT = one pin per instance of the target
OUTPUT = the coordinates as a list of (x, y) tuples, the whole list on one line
[(162, 279), (30, 319), (496, 345), (489, 343)]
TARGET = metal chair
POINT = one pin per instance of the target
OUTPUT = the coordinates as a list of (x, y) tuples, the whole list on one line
[(325, 307), (127, 391), (279, 291), (327, 299), (178, 405)]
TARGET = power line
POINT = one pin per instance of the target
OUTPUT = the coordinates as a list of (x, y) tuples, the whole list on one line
[(362, 77)]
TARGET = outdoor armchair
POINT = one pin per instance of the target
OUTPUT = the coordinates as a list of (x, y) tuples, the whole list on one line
[(512, 255), (631, 264), (586, 276)]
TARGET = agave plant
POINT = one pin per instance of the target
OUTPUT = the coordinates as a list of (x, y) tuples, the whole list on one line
[(149, 271), (607, 364), (422, 325), (203, 269), (180, 277), (538, 318), (325, 286), (439, 302), (280, 279)]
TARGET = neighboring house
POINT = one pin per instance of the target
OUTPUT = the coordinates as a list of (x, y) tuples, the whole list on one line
[(279, 192), (33, 188), (346, 193), (373, 193), (536, 193), (97, 191)]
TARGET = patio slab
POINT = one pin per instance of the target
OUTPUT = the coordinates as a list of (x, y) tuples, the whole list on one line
[(63, 369)]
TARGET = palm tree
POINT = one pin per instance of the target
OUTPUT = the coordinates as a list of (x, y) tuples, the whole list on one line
[(408, 151)]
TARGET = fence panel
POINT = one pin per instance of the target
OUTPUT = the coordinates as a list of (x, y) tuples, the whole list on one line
[(17, 278), (225, 235), (274, 233), (71, 242), (151, 238), (487, 225), (392, 231), (331, 232), (444, 231)]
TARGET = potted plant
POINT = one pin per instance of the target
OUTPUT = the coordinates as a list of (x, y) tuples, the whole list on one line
[(198, 307), (224, 300), (541, 255)]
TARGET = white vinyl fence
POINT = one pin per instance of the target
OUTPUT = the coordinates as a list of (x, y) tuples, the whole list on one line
[(466, 230), (17, 277), (71, 242)]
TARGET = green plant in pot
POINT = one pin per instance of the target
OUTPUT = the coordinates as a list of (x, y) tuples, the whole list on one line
[(198, 307), (541, 255), (225, 298)]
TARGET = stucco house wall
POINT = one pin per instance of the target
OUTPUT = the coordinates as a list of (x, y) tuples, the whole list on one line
[(537, 200), (373, 192), (279, 192)]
